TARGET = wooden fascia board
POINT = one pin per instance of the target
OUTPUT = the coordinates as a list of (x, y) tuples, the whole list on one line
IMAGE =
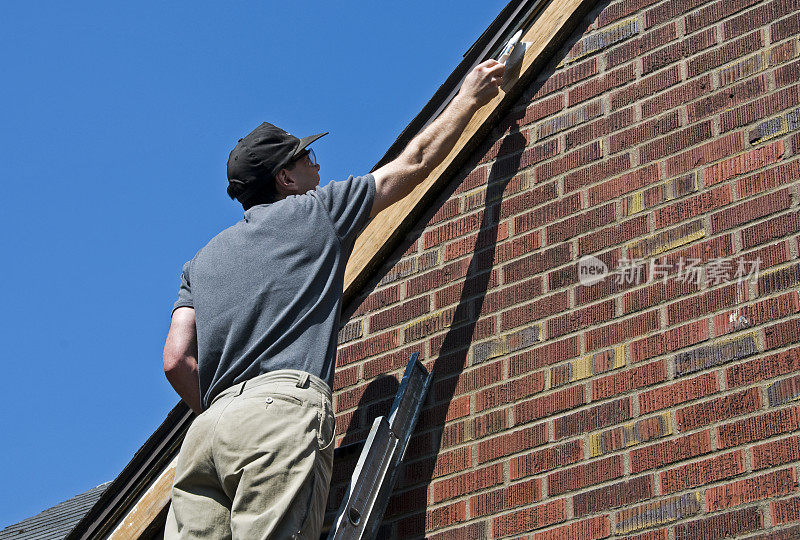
[(148, 507), (547, 33)]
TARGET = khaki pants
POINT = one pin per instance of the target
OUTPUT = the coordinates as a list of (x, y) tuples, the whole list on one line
[(257, 463)]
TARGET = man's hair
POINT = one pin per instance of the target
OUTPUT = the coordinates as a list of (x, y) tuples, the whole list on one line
[(267, 193)]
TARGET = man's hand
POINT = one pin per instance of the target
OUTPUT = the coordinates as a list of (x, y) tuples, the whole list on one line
[(483, 82), (428, 149)]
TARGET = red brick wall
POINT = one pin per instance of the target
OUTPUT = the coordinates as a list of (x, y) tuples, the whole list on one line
[(647, 403)]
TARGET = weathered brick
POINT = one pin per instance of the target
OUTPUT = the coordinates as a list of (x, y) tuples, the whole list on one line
[(646, 87), (656, 293), (783, 391), (776, 227), (539, 461), (709, 152), (637, 47), (776, 453), (683, 48), (714, 12), (574, 226), (599, 85), (541, 407), (615, 234), (727, 98), (547, 213), (473, 531), (670, 451), (741, 69), (596, 172), (676, 96), (631, 379), (368, 347), (613, 496), (563, 78), (631, 434), (602, 126), (694, 306), (587, 529), (497, 500), (702, 472), (785, 511), (644, 131), (720, 353), (509, 391), (511, 443), (758, 17), (671, 340), (761, 108), (603, 38), (593, 418), (676, 393), (579, 318), (751, 489), (721, 55), (764, 367), (762, 311), (573, 160), (759, 427), (536, 310), (574, 117), (468, 482), (378, 299), (785, 27), (580, 476), (779, 279), (550, 353), (657, 513), (616, 10), (530, 518), (674, 142), (588, 366), (702, 414), (743, 163), (398, 314), (720, 525)]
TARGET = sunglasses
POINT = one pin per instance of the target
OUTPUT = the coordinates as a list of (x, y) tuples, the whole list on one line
[(309, 158)]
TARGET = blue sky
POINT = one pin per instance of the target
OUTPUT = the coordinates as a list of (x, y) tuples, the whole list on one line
[(117, 123)]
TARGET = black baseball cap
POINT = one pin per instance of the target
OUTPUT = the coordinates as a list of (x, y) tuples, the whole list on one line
[(259, 156)]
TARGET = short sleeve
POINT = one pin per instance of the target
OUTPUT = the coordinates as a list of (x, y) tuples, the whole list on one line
[(185, 290), (349, 204)]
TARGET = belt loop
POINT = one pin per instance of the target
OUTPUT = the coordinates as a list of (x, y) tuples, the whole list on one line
[(241, 389), (301, 382)]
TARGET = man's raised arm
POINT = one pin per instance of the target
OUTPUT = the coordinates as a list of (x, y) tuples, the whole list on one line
[(428, 149)]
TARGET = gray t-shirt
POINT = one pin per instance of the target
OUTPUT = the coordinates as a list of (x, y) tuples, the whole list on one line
[(267, 292)]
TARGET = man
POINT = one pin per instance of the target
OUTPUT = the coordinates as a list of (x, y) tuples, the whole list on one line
[(252, 341)]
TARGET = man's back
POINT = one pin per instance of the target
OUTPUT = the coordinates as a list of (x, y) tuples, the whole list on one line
[(267, 291)]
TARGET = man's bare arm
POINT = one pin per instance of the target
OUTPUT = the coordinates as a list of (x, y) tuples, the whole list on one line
[(180, 358), (428, 149)]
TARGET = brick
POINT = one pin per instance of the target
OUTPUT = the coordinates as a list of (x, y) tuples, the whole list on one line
[(741, 69), (657, 513), (758, 17), (721, 55), (764, 367), (534, 311), (511, 143), (467, 381), (671, 451), (759, 109), (743, 163), (657, 293), (777, 227), (599, 85), (676, 393), (755, 314), (453, 229), (596, 172), (717, 354), (707, 412), (544, 355), (473, 243), (511, 165), (787, 74), (785, 27), (781, 334), (625, 381), (541, 407), (727, 98), (615, 121), (588, 529), (613, 496), (370, 346), (536, 263), (669, 10), (475, 285), (468, 482), (700, 304), (644, 131), (489, 423), (437, 277), (547, 213), (591, 419), (443, 464), (378, 299), (702, 472), (779, 279), (709, 152), (612, 235), (563, 78), (720, 525), (509, 391), (527, 200), (605, 37), (751, 489), (637, 47), (539, 461), (445, 515), (588, 366), (646, 87), (579, 318), (580, 476), (530, 518), (674, 142), (759, 427), (574, 117), (713, 13), (783, 391), (579, 224), (616, 10), (623, 330), (677, 96), (776, 453), (624, 184), (501, 299), (683, 48), (398, 314), (508, 343), (631, 434), (473, 531), (572, 160), (497, 500), (671, 340)]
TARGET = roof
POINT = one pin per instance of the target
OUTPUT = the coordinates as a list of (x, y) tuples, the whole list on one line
[(56, 522)]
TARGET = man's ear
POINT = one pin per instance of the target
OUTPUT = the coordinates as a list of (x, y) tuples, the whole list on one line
[(284, 183)]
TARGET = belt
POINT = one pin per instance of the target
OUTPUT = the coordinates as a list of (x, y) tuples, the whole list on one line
[(300, 379)]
